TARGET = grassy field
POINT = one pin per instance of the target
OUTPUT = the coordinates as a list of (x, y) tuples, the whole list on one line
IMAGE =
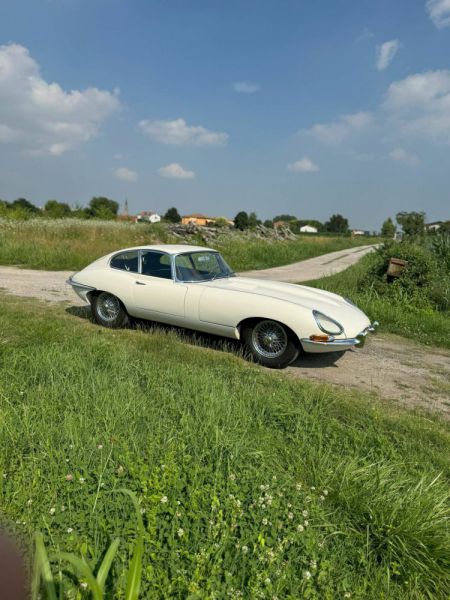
[(71, 244), (250, 484), (402, 317)]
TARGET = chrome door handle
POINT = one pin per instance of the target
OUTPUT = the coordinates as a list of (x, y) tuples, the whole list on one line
[(139, 283)]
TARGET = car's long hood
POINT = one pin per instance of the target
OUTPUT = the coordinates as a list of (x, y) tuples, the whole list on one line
[(309, 298), (289, 292)]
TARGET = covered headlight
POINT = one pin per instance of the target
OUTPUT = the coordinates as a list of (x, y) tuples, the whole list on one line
[(327, 324)]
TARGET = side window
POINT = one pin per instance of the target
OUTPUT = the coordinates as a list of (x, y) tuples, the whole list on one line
[(127, 261), (156, 264)]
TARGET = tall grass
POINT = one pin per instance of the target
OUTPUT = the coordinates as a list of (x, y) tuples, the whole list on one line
[(71, 244), (249, 484)]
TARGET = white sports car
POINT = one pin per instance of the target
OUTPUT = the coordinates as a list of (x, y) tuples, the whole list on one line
[(193, 287)]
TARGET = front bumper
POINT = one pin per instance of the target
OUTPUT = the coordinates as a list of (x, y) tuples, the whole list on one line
[(337, 345), (80, 289)]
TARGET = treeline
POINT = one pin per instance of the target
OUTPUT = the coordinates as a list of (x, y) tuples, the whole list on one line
[(336, 223), (99, 207)]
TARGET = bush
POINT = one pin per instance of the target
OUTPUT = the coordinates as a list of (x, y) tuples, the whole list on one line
[(416, 280)]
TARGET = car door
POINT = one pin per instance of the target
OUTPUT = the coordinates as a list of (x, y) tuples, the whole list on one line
[(156, 295)]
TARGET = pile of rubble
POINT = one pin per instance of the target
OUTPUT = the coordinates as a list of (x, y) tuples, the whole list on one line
[(208, 234)]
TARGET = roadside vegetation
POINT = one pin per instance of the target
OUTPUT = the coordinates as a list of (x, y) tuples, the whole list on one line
[(249, 484), (71, 244), (416, 304)]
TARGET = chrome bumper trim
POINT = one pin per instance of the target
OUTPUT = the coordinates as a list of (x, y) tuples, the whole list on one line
[(332, 343), (340, 344), (74, 283)]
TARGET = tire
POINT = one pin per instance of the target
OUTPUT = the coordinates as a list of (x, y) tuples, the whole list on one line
[(109, 311), (271, 343)]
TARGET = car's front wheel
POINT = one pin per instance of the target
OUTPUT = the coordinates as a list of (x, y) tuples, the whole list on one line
[(271, 343), (109, 311)]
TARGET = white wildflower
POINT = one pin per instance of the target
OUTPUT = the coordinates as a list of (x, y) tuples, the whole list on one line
[(100, 447), (325, 492), (313, 564), (180, 532), (52, 510), (69, 530), (267, 581), (164, 500), (82, 480), (84, 585), (306, 523), (300, 528), (30, 502), (307, 574), (305, 513), (245, 549), (298, 486), (265, 521), (232, 476), (290, 516), (322, 498)]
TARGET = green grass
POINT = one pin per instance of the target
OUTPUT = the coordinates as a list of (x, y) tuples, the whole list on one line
[(71, 244), (402, 317), (224, 458)]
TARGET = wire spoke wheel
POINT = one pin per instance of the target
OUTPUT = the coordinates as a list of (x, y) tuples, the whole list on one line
[(269, 339), (108, 307)]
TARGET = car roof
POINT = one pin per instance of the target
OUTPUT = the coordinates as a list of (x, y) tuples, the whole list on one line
[(168, 248)]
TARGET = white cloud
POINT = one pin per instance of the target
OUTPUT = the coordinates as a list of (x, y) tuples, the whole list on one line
[(337, 131), (179, 133), (439, 11), (125, 174), (420, 105), (41, 117), (304, 165), (246, 87), (385, 54), (175, 171), (401, 155)]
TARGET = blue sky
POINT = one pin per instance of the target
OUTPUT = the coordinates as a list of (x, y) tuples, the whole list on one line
[(280, 106)]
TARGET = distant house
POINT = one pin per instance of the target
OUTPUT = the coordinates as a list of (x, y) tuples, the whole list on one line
[(197, 219), (147, 216), (308, 229), (434, 226), (359, 232)]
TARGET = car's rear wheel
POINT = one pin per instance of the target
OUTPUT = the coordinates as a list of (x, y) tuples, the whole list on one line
[(270, 343), (108, 310)]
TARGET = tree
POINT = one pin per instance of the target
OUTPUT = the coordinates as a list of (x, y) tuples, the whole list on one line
[(388, 228), (412, 223), (172, 215), (268, 223), (103, 208), (253, 220), (241, 220), (25, 205), (337, 224), (57, 210)]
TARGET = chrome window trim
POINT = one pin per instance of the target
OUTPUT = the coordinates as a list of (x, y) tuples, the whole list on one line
[(317, 313)]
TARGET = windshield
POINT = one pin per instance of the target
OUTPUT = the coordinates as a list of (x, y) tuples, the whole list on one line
[(201, 266)]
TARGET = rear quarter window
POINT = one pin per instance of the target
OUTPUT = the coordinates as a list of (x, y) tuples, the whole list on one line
[(126, 261)]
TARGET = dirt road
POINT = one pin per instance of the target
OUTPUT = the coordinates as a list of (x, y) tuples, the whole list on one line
[(390, 367), (313, 268)]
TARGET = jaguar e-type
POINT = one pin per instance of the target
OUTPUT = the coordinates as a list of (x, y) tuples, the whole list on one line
[(193, 287)]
